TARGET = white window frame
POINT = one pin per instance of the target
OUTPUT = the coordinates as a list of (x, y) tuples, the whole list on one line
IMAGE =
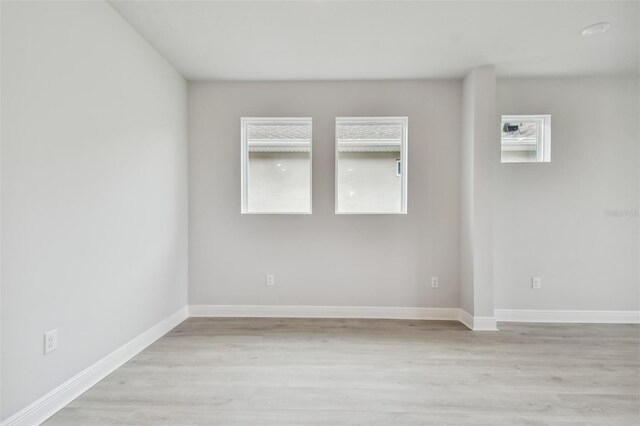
[(543, 142), (244, 160), (404, 151)]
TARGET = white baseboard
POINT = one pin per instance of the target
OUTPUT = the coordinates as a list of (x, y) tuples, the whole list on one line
[(568, 316), (364, 312), (477, 323), (466, 318), (40, 410)]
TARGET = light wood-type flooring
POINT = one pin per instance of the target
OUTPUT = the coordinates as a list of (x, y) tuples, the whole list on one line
[(232, 371)]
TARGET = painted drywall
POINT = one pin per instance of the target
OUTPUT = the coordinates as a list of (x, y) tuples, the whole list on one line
[(94, 190), (572, 221), (324, 258), (466, 195), (479, 151)]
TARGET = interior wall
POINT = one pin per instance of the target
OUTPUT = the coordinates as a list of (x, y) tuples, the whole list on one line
[(324, 258), (466, 194), (480, 150), (94, 191), (572, 221)]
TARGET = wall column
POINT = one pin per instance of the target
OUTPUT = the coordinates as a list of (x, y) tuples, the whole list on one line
[(478, 152)]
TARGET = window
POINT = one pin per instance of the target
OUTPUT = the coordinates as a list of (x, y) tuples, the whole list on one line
[(371, 165), (525, 139), (276, 165)]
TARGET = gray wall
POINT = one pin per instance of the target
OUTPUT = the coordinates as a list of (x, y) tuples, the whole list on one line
[(479, 152), (324, 259), (94, 191), (550, 219), (466, 193)]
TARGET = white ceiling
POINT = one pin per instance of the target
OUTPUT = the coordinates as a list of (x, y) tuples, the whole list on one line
[(369, 40)]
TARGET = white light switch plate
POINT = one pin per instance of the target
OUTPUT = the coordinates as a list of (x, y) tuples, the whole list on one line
[(435, 282), (271, 279)]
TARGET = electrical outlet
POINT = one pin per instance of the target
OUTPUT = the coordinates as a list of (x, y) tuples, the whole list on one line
[(270, 279), (435, 282), (536, 283), (50, 341)]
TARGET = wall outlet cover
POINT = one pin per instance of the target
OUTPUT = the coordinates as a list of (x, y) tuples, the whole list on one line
[(536, 283), (50, 341)]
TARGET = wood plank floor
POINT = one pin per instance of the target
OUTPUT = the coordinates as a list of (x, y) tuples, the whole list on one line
[(371, 372)]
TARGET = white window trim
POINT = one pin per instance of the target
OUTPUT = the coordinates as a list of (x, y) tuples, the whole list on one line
[(404, 122), (543, 143), (244, 159)]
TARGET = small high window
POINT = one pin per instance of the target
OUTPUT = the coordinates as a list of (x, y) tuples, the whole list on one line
[(276, 165), (525, 139)]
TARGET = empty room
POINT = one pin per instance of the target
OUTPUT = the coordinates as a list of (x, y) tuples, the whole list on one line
[(319, 212)]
